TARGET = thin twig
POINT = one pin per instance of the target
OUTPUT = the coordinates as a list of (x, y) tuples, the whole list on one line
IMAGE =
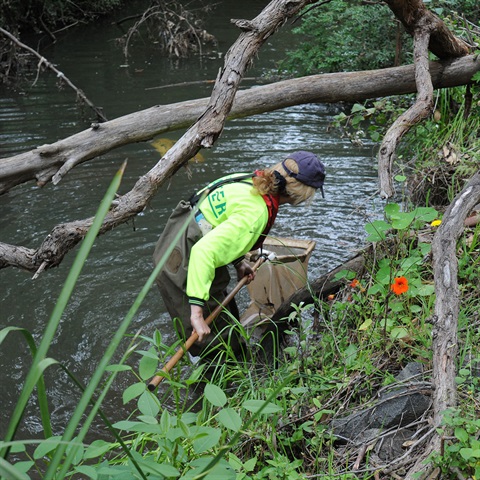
[(44, 61)]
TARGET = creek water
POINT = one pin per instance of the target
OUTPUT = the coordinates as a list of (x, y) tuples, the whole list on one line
[(39, 112)]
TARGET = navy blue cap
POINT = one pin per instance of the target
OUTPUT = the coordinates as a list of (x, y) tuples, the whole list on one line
[(311, 171)]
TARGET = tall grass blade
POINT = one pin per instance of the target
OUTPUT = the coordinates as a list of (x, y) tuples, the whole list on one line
[(41, 391), (63, 299), (72, 426), (8, 471)]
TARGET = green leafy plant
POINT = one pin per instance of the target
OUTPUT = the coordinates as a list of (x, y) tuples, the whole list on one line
[(356, 43), (462, 450)]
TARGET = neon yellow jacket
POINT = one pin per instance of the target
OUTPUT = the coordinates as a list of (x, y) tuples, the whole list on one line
[(238, 216)]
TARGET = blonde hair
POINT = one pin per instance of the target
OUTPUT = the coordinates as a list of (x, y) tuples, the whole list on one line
[(297, 191)]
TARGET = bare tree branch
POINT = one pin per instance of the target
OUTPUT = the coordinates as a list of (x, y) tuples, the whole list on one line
[(202, 133), (429, 33), (420, 110), (56, 159), (60, 75), (445, 321)]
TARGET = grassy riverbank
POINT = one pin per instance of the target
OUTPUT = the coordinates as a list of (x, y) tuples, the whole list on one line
[(263, 420)]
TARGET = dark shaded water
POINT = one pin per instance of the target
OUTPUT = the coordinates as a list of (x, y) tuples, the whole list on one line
[(120, 262)]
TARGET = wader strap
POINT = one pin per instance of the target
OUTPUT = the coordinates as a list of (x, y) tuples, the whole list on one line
[(209, 189)]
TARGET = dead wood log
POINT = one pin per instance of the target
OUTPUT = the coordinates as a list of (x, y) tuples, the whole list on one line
[(203, 133), (429, 33), (445, 320), (56, 159)]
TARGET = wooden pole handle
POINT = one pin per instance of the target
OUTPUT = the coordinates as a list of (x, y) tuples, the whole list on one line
[(194, 336)]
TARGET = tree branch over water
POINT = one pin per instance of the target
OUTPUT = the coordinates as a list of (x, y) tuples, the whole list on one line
[(60, 75), (57, 159), (52, 162), (203, 133)]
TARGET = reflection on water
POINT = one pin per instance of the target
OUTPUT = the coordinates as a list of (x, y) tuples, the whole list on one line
[(120, 261)]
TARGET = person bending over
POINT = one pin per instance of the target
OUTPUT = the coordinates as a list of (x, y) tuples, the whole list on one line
[(233, 216)]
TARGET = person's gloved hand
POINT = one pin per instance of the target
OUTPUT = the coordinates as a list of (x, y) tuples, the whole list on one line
[(198, 323), (245, 270)]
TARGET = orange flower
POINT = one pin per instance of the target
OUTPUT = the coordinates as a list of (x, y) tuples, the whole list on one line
[(354, 283), (331, 297), (399, 285)]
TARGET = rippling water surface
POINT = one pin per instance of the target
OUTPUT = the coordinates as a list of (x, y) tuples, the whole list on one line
[(120, 261)]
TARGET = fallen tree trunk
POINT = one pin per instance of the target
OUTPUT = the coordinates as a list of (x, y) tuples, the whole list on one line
[(56, 159)]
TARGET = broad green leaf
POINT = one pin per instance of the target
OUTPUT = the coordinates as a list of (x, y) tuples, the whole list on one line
[(215, 395), (96, 449), (249, 465), (23, 466), (165, 421), (377, 230), (425, 290), (189, 418), (392, 209), (195, 375), (151, 353), (257, 405), (229, 418), (163, 469), (403, 221), (374, 289), (148, 419), (461, 434), (205, 438), (87, 471), (130, 426), (384, 275), (46, 447), (221, 471), (350, 354), (409, 262), (425, 214), (357, 107), (366, 324), (148, 404), (174, 434), (398, 332), (234, 461), (148, 365), (396, 307), (133, 391)]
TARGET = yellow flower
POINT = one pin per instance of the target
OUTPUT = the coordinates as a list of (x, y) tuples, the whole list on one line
[(435, 223)]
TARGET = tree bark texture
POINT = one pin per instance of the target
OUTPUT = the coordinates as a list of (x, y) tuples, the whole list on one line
[(56, 159), (445, 320)]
